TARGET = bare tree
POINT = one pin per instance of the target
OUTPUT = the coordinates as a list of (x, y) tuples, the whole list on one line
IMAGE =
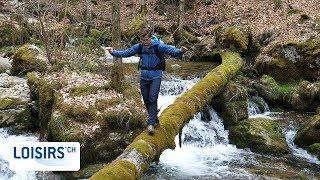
[(117, 76), (181, 14)]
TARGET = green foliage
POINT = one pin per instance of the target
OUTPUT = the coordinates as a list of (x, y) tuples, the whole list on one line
[(26, 60)]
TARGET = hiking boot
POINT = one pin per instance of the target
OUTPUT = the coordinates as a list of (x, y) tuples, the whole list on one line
[(150, 129), (156, 125)]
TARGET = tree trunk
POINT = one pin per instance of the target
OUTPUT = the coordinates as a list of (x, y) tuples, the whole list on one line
[(117, 76), (137, 157), (181, 14)]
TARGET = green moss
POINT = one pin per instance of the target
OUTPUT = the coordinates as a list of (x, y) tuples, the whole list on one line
[(79, 113), (311, 46), (118, 170), (233, 38), (173, 119), (315, 149), (283, 90), (25, 119), (260, 135), (101, 36), (6, 103), (234, 112), (183, 36), (83, 90), (10, 103), (10, 35), (134, 26), (25, 60)]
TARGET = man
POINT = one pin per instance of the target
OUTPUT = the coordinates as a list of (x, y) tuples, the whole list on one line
[(151, 64)]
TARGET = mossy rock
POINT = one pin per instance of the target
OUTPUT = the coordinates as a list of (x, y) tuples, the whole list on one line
[(290, 61), (233, 92), (28, 58), (234, 112), (18, 119), (260, 135), (315, 149), (9, 34), (274, 92), (309, 133), (11, 103), (305, 96), (232, 38)]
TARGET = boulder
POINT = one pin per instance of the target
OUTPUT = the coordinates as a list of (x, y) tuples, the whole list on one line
[(273, 92), (28, 58), (290, 61), (261, 135), (14, 105), (232, 104), (306, 96), (83, 108), (309, 133)]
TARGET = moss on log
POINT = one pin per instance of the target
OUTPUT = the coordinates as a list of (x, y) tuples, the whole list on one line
[(136, 158)]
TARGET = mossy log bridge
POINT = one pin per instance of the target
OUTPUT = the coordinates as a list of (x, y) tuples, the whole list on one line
[(137, 157)]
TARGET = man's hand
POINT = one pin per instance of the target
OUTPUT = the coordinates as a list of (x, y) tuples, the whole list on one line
[(110, 49), (183, 49)]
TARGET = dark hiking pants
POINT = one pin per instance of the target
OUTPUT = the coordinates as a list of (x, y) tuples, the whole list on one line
[(150, 90)]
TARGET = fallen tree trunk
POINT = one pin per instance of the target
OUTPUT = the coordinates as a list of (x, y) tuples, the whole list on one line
[(136, 158)]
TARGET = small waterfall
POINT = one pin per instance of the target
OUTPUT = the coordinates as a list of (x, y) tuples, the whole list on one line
[(257, 107), (5, 172), (290, 132), (171, 89)]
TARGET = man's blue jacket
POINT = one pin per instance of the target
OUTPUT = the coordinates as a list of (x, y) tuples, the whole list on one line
[(149, 58)]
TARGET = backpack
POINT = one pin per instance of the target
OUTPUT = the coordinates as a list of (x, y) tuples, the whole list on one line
[(160, 56)]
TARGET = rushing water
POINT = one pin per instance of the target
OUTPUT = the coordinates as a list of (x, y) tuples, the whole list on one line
[(207, 154), (5, 172)]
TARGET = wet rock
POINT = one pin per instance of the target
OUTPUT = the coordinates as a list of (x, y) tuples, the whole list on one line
[(261, 135), (273, 92), (28, 58), (309, 133), (232, 104)]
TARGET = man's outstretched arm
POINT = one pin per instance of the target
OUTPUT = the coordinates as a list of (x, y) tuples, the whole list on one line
[(172, 51), (124, 53)]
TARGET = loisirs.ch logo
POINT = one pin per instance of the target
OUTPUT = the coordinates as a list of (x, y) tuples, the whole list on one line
[(43, 156)]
